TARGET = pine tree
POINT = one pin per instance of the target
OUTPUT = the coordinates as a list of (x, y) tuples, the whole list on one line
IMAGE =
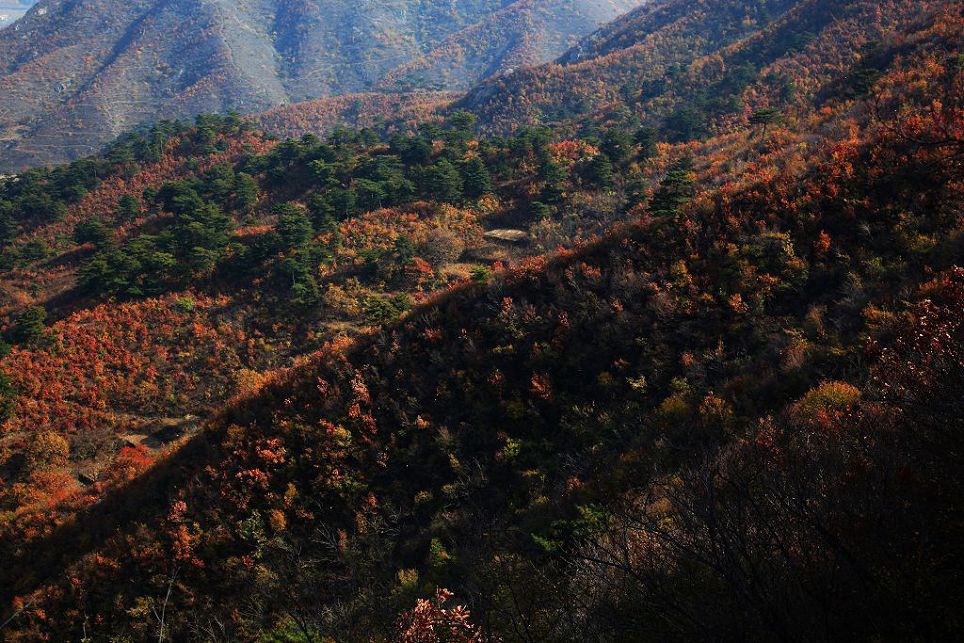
[(93, 232), (8, 393), (442, 182), (599, 172), (30, 326), (128, 207), (617, 144), (645, 138), (553, 174), (674, 190), (294, 226), (766, 118), (245, 192), (476, 178)]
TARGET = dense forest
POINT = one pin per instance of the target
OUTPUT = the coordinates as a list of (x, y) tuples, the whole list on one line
[(667, 346)]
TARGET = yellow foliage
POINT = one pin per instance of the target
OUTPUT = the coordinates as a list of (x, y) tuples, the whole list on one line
[(827, 400), (47, 449)]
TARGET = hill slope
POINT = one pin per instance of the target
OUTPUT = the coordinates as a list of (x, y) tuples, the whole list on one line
[(74, 75), (719, 62), (734, 415)]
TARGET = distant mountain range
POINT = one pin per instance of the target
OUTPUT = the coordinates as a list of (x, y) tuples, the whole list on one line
[(75, 74)]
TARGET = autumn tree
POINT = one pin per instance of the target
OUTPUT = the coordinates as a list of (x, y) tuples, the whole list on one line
[(46, 449), (430, 621), (441, 246)]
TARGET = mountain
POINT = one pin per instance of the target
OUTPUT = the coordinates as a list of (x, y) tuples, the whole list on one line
[(685, 366), (527, 33), (74, 75), (643, 66)]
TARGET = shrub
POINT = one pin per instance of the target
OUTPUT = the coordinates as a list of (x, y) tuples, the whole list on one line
[(47, 449), (442, 246)]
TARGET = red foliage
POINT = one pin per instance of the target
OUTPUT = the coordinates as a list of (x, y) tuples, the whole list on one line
[(138, 358), (431, 622)]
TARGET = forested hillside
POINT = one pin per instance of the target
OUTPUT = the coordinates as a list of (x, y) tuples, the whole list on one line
[(694, 67), (686, 365), (385, 112)]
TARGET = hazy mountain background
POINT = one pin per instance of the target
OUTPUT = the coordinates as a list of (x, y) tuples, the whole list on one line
[(75, 74)]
